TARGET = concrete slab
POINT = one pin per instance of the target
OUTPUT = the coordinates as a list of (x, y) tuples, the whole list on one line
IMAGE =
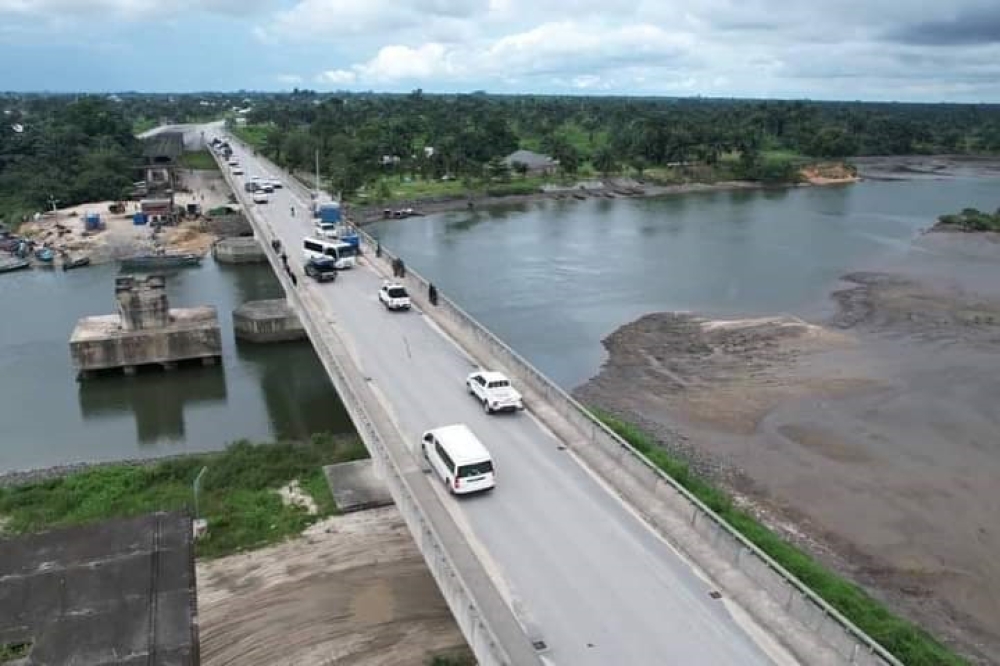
[(116, 592), (356, 487)]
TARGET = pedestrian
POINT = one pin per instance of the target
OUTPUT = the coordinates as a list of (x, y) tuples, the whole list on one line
[(402, 269), (395, 267), (284, 259), (378, 248), (432, 294), (293, 211), (295, 280)]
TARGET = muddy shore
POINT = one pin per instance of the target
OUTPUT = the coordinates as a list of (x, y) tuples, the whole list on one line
[(612, 188), (870, 438)]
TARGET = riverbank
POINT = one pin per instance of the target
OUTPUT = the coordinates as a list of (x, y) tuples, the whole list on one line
[(251, 495), (868, 438), (611, 188)]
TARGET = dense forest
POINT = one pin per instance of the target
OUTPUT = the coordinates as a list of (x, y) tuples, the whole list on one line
[(70, 149), (686, 138), (79, 148), (65, 151)]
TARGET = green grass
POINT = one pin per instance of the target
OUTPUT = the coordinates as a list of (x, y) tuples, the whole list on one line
[(253, 135), (141, 125), (199, 160), (237, 496), (419, 188), (14, 651), (972, 219), (910, 644)]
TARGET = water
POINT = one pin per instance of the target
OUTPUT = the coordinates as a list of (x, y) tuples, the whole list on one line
[(260, 392), (555, 277), (551, 279)]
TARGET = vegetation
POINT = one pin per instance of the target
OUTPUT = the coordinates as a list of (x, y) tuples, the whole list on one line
[(14, 651), (68, 153), (237, 496), (972, 219), (199, 160), (363, 139), (910, 644)]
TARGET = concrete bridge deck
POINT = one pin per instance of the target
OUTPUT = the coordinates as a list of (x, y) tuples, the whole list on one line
[(554, 554)]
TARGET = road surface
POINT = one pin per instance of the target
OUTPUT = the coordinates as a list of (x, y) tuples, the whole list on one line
[(579, 569)]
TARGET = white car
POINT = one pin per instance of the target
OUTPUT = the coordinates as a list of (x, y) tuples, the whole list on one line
[(265, 186), (394, 296), (494, 391), (260, 196)]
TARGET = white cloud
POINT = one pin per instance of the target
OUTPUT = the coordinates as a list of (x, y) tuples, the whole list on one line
[(54, 10), (289, 79), (549, 49)]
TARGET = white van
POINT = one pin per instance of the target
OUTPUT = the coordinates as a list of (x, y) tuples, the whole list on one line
[(459, 459)]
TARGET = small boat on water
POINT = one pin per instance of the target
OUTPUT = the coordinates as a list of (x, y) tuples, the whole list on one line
[(13, 264), (75, 262), (160, 260), (45, 254)]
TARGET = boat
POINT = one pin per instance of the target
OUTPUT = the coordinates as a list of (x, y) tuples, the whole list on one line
[(13, 264), (45, 254), (160, 260), (77, 262)]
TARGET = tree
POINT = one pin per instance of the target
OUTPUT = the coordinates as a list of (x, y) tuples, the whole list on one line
[(498, 170), (604, 160)]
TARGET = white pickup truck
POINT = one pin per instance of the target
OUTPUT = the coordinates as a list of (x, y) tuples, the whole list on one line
[(494, 391)]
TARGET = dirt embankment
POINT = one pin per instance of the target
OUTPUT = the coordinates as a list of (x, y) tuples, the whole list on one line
[(352, 590), (613, 188), (871, 439), (830, 173)]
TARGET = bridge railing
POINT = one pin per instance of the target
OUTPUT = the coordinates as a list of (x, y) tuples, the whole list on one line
[(649, 490), (487, 622)]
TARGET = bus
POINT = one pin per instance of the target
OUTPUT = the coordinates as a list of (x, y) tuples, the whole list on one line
[(343, 254)]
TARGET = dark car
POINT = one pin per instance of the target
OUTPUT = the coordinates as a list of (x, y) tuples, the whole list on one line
[(321, 270)]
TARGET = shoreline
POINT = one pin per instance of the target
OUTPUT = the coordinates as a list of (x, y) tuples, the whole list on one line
[(613, 188)]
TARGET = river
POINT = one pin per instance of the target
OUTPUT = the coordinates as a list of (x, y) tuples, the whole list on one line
[(553, 278), (259, 392)]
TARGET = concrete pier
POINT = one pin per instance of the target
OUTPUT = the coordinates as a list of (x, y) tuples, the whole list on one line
[(267, 321), (242, 250), (145, 331)]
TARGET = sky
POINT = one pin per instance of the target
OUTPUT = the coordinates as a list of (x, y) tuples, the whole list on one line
[(894, 50)]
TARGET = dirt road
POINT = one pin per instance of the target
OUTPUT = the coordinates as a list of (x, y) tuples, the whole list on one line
[(872, 439), (353, 591)]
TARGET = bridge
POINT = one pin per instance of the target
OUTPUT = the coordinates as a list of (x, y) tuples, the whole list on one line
[(585, 553)]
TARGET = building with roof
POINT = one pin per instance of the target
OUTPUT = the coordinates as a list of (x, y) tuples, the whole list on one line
[(537, 163)]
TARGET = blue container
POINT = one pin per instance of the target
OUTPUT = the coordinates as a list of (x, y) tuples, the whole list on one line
[(139, 219), (92, 221), (329, 212)]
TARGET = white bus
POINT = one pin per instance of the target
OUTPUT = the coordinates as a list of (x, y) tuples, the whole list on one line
[(459, 459), (343, 254)]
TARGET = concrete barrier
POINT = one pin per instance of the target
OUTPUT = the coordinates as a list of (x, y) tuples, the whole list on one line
[(648, 489), (488, 624)]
